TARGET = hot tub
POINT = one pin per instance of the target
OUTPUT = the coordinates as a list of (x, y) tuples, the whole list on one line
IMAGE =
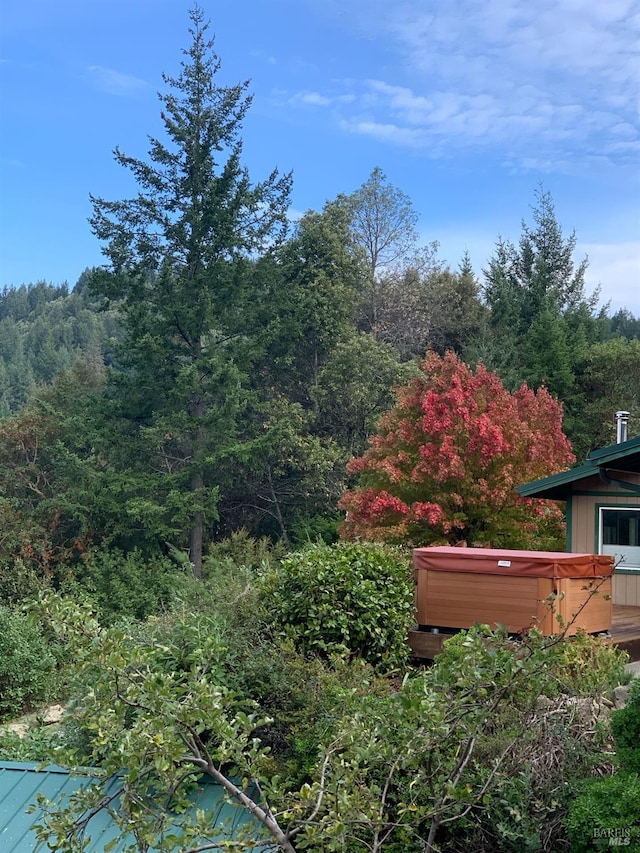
[(456, 587)]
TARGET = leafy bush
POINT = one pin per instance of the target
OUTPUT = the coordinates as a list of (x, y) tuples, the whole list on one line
[(603, 808), (127, 585), (586, 665), (27, 666), (349, 599), (546, 728), (241, 549), (303, 697), (625, 724), (19, 582), (317, 528), (42, 743), (580, 665), (608, 807)]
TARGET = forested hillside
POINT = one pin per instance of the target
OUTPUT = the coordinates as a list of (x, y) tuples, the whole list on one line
[(44, 328), (301, 350)]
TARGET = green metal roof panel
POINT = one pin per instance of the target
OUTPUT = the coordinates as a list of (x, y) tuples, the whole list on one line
[(21, 782), (624, 457), (626, 451), (558, 486)]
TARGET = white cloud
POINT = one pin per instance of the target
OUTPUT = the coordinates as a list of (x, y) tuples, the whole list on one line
[(115, 82), (311, 98), (554, 81), (386, 132), (616, 268)]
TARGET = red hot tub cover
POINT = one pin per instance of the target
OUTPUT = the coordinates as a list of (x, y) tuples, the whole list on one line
[(494, 561)]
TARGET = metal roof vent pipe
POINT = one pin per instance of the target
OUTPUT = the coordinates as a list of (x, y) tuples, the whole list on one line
[(622, 427)]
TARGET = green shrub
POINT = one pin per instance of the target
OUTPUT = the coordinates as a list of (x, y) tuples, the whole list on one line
[(241, 549), (611, 805), (42, 743), (127, 585), (587, 666), (602, 808), (542, 706), (27, 666), (625, 725), (19, 582), (581, 665), (354, 600), (317, 528)]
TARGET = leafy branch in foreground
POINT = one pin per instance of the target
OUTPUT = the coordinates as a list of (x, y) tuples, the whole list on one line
[(156, 716), (453, 754)]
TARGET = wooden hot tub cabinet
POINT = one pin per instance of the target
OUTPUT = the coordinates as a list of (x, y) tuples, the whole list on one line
[(456, 587)]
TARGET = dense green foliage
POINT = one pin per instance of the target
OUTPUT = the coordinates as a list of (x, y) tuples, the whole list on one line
[(86, 460), (606, 808), (179, 253), (482, 751), (27, 666), (626, 731), (609, 806), (345, 599), (129, 585), (103, 453), (44, 329)]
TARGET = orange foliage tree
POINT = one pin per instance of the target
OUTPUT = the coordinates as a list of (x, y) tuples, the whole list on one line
[(444, 465)]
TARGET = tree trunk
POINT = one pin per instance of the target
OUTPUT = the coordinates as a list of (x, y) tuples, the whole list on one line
[(197, 410), (195, 544)]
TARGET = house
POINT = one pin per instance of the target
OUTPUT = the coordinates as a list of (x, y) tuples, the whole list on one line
[(603, 508), (22, 782)]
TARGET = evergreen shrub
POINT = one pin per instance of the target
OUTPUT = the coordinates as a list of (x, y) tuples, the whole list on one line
[(128, 585), (27, 666), (625, 724), (351, 599), (610, 807)]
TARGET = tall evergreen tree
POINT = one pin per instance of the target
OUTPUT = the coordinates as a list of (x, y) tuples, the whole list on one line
[(539, 310), (176, 253)]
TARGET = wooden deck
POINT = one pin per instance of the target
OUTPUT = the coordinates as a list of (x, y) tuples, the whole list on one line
[(625, 629)]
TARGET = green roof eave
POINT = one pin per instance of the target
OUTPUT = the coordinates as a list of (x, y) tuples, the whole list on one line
[(558, 487), (615, 452)]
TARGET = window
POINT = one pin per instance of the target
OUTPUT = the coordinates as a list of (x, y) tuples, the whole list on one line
[(620, 535)]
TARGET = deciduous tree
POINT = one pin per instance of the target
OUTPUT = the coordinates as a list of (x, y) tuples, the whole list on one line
[(447, 457)]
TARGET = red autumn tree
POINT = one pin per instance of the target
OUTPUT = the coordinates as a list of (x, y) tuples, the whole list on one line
[(447, 458)]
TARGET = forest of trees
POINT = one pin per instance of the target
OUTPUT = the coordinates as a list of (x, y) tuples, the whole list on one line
[(201, 385), (231, 386)]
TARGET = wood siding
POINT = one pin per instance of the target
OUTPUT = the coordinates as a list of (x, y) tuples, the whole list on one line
[(626, 589), (584, 538)]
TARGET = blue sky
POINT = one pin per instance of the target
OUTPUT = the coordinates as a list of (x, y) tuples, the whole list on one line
[(466, 105)]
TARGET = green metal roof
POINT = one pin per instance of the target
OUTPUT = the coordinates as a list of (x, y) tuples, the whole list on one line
[(626, 454), (21, 782), (616, 457)]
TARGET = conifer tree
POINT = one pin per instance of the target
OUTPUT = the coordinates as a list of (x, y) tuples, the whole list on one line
[(541, 318), (176, 255)]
